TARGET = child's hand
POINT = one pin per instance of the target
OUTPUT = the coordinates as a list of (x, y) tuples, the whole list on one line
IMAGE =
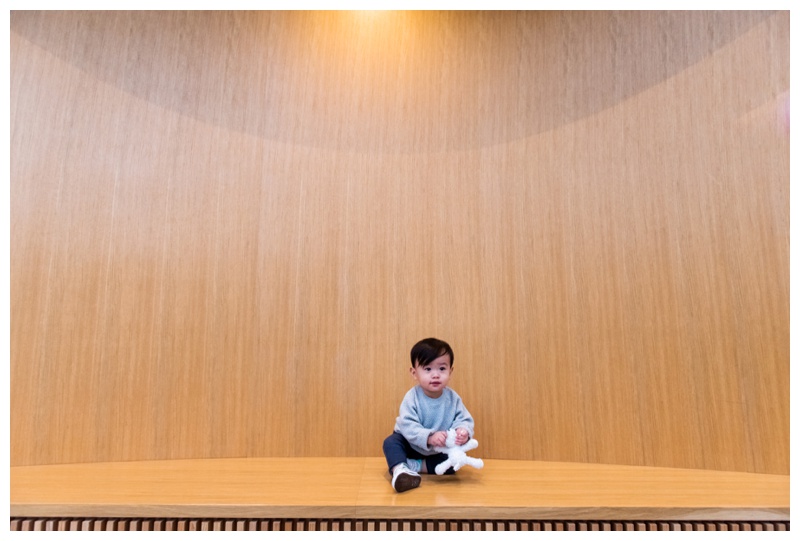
[(437, 439), (462, 436)]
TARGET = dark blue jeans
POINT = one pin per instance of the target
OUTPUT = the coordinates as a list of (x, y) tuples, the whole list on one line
[(397, 449)]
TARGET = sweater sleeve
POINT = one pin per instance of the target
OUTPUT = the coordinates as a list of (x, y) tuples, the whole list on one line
[(463, 419), (408, 423)]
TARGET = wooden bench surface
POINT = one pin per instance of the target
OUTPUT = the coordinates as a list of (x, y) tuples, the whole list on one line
[(360, 488)]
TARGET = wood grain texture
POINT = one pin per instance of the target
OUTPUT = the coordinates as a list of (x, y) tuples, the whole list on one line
[(360, 488), (229, 228)]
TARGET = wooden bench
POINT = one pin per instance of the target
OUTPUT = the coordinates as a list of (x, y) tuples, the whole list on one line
[(355, 493)]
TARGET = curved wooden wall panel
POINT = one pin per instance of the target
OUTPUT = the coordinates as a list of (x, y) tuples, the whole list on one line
[(228, 229)]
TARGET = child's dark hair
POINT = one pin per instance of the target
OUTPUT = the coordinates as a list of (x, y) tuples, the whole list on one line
[(426, 351)]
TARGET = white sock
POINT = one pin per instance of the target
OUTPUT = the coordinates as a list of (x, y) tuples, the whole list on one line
[(414, 464)]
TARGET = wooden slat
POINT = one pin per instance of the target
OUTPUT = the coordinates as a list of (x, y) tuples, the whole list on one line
[(404, 525)]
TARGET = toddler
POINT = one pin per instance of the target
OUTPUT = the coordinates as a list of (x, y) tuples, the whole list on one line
[(428, 410)]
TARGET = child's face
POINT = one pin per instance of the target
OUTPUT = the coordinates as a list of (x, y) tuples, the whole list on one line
[(434, 377)]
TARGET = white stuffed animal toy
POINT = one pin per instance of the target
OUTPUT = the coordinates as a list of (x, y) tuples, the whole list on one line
[(457, 454)]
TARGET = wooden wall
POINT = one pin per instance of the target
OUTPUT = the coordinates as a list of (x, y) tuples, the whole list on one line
[(228, 229)]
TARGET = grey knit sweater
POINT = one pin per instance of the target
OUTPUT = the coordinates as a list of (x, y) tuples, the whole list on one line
[(420, 416)]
